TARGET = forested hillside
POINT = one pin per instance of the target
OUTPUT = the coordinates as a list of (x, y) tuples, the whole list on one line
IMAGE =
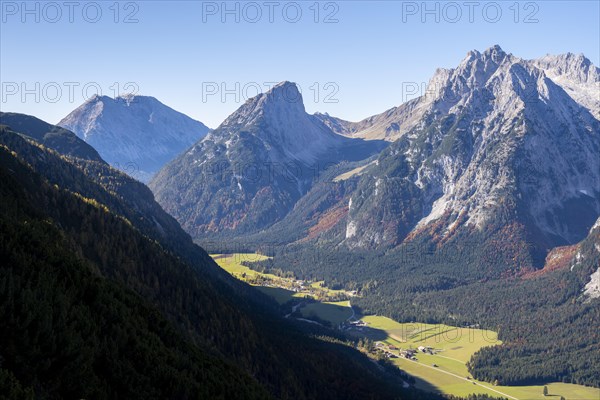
[(72, 232), (70, 333), (54, 137)]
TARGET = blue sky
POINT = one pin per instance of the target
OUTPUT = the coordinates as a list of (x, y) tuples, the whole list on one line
[(352, 59)]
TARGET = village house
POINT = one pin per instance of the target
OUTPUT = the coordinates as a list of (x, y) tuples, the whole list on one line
[(408, 354), (425, 349)]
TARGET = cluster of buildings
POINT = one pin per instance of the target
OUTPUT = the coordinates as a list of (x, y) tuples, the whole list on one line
[(358, 325), (410, 354), (386, 350)]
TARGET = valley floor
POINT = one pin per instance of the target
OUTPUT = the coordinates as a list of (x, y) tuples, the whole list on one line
[(445, 370), (434, 354)]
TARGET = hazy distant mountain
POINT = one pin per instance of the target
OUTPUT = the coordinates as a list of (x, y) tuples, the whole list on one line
[(576, 75), (250, 171), (137, 134)]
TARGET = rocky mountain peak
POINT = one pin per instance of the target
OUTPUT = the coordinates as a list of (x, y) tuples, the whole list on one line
[(282, 98), (499, 138), (576, 75), (278, 119), (495, 53), (479, 65), (250, 171), (574, 66), (285, 92), (449, 86)]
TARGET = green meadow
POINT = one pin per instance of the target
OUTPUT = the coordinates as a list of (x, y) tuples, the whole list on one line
[(452, 348), (334, 312)]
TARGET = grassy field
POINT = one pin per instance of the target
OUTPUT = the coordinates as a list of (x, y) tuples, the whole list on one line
[(453, 347), (451, 342), (349, 174), (329, 291), (232, 263), (334, 312)]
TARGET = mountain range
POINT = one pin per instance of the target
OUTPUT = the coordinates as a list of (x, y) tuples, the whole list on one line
[(574, 73), (475, 204), (497, 143), (496, 148)]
